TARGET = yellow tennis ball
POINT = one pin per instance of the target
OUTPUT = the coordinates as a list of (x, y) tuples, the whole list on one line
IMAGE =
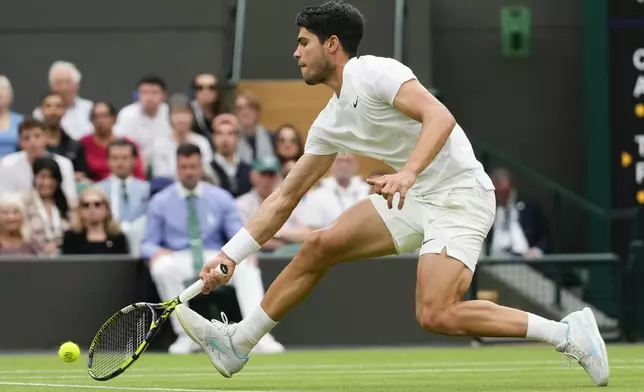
[(69, 352)]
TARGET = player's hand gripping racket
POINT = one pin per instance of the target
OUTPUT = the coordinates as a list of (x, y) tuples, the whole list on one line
[(127, 334)]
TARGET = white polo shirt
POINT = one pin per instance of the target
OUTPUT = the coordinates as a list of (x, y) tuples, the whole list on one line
[(363, 121), (134, 124)]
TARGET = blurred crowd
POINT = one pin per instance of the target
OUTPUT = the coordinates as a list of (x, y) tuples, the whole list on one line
[(170, 178)]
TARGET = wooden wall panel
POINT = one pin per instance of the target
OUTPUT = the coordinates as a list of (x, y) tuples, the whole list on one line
[(293, 101)]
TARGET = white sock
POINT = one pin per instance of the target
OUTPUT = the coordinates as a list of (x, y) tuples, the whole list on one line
[(544, 330), (251, 329)]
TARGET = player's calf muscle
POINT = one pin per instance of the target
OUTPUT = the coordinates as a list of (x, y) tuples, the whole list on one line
[(473, 318)]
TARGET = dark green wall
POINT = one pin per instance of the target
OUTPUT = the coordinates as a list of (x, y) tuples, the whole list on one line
[(597, 117)]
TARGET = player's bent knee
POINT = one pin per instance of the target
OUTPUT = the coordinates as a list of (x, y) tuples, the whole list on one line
[(436, 320), (319, 247)]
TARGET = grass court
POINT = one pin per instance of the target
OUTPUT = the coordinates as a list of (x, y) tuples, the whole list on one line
[(510, 368)]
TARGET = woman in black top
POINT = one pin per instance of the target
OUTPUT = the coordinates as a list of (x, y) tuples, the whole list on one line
[(94, 231)]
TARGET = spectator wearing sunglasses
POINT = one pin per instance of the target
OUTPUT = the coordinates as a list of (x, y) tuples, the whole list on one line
[(288, 143), (94, 230), (206, 103)]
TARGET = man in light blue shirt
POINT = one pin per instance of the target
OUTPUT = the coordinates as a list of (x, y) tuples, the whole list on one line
[(187, 224), (128, 195)]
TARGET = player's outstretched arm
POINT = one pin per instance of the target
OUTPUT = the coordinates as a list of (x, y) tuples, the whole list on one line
[(270, 217), (416, 102)]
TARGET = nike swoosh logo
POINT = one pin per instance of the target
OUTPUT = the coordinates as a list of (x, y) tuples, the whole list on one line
[(355, 103), (431, 239), (215, 346), (594, 352)]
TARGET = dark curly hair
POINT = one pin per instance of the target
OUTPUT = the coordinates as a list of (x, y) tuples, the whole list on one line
[(337, 18)]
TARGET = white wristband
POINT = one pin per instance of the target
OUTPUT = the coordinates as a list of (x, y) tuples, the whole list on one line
[(241, 246)]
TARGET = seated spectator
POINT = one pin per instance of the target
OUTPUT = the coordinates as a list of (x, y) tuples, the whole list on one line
[(94, 231), (164, 152), (128, 196), (233, 174), (136, 229), (255, 140), (14, 230), (146, 119), (206, 104), (58, 141), (16, 172), (288, 143), (520, 228), (46, 206), (336, 193), (266, 178), (187, 224), (103, 117), (9, 120), (64, 79)]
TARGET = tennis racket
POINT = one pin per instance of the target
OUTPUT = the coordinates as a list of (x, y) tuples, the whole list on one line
[(128, 333)]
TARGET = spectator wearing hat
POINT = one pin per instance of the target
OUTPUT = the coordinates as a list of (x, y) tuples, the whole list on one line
[(266, 178)]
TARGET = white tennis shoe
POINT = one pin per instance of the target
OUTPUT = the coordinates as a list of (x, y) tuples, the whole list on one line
[(585, 345), (214, 338)]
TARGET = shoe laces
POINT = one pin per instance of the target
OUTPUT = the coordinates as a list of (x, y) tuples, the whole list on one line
[(227, 325), (224, 320), (573, 351)]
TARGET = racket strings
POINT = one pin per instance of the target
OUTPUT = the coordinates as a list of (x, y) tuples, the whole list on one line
[(120, 340)]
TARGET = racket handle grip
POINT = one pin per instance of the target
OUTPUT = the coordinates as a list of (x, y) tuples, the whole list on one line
[(195, 288)]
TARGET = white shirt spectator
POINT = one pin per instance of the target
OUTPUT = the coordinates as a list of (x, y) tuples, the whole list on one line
[(134, 124), (76, 120), (17, 174), (325, 204), (164, 155)]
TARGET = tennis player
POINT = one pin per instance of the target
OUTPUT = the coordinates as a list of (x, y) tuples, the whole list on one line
[(440, 201)]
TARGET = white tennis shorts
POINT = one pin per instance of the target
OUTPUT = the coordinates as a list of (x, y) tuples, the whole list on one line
[(456, 219)]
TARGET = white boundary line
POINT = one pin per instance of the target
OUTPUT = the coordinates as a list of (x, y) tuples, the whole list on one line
[(347, 371), (252, 368), (72, 386)]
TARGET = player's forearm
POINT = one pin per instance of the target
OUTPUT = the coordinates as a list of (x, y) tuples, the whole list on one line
[(434, 134), (271, 216)]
